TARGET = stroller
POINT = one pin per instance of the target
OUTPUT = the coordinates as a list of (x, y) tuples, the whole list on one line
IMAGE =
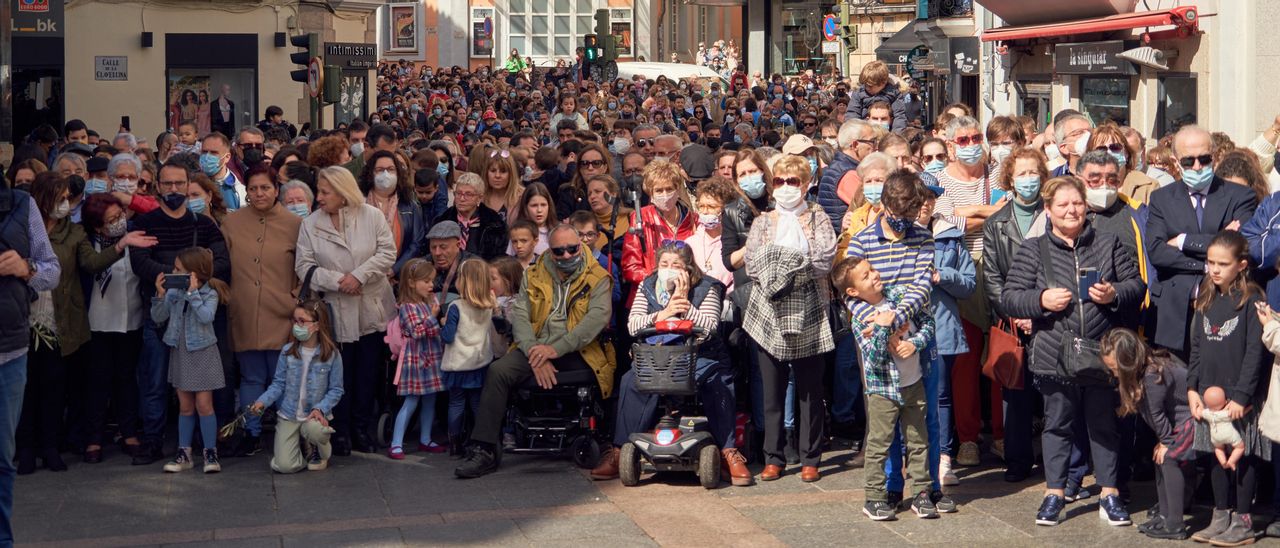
[(679, 443)]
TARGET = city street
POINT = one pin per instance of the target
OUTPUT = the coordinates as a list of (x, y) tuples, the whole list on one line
[(369, 500)]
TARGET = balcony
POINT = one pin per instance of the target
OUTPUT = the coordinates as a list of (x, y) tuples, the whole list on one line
[(948, 8)]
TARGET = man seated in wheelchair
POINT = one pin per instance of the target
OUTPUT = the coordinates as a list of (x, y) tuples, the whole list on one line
[(678, 290), (560, 311)]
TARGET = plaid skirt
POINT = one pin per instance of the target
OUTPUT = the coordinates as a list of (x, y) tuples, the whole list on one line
[(1184, 436), (1255, 445)]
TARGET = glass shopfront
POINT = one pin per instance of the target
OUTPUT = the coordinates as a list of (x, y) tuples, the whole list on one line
[(797, 37), (1106, 99), (216, 92)]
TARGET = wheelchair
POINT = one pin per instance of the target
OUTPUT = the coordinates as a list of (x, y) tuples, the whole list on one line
[(562, 420)]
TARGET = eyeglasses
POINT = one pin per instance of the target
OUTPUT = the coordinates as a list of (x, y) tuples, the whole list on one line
[(810, 124), (1113, 147), (170, 184), (931, 157), (466, 195), (377, 170), (301, 323), (592, 164), (642, 143), (966, 140), (566, 251), (789, 181), (588, 235), (1188, 162)]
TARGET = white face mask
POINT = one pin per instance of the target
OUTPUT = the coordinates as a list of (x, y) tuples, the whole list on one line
[(621, 145), (788, 196), (1000, 152), (61, 212), (384, 180), (664, 202), (1082, 143), (1100, 198), (124, 185)]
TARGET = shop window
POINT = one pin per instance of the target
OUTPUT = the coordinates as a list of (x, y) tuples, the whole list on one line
[(1105, 99), (215, 99), (1176, 99), (553, 29), (797, 39), (481, 41)]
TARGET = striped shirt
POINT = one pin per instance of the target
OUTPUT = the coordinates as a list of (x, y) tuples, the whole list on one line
[(906, 261), (963, 193)]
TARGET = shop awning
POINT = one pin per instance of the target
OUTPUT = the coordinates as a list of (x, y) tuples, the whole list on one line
[(894, 50), (1186, 19)]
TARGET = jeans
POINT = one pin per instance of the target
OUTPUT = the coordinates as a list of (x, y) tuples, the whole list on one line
[(638, 412), (257, 370), (153, 383), (13, 381), (112, 380), (361, 363), (459, 399), (846, 397), (934, 427)]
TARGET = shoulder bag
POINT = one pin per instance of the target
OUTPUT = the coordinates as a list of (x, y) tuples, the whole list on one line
[(1079, 358)]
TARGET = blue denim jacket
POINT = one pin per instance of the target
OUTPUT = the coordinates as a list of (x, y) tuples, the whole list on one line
[(197, 310), (323, 384)]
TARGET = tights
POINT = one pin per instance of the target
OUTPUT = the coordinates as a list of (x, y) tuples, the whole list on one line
[(1172, 478), (1245, 484), (426, 415)]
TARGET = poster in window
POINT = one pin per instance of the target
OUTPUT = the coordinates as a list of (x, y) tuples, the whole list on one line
[(214, 99), (189, 102), (482, 37), (622, 34), (351, 104), (404, 27)]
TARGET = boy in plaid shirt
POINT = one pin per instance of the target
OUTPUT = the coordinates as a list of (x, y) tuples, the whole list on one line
[(893, 373)]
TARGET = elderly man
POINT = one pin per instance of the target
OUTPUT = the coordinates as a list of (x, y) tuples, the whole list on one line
[(667, 147), (125, 142), (1184, 219), (856, 139), (556, 332), (446, 253), (251, 149), (1071, 132)]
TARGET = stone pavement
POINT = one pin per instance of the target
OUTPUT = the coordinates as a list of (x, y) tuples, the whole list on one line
[(369, 500)]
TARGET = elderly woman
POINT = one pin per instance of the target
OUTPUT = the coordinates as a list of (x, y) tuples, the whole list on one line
[(696, 297), (791, 246), (387, 186), (484, 233), (125, 172), (667, 217), (297, 197), (345, 250), (712, 194), (1134, 183), (1043, 285), (261, 239), (873, 171)]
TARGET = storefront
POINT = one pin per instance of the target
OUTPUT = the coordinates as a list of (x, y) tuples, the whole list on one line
[(796, 33), (37, 53), (214, 92), (1106, 81), (355, 60)]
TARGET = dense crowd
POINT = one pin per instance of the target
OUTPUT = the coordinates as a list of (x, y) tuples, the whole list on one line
[(854, 271)]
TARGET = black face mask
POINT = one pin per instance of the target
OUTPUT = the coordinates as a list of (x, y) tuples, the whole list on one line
[(253, 157), (174, 200), (713, 143)]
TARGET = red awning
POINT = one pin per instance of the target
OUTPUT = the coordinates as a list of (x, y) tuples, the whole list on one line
[(1185, 18)]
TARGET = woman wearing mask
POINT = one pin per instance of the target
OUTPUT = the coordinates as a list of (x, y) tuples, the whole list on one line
[(602, 193), (204, 198), (1021, 218), (1133, 182), (59, 323), (593, 161), (1004, 135), (386, 185), (866, 208), (795, 233), (932, 156), (711, 196), (346, 250), (667, 217)]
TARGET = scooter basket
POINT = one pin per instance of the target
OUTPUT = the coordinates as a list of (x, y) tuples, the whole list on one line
[(669, 369)]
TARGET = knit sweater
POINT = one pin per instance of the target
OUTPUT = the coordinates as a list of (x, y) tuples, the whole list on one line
[(172, 236)]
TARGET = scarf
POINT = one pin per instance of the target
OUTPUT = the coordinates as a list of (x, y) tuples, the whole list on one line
[(467, 225), (388, 206), (619, 229), (788, 232)]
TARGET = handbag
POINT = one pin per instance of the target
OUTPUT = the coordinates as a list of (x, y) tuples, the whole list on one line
[(1079, 358), (1005, 356)]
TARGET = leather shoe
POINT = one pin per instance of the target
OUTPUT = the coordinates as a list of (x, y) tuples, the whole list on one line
[(607, 469), (771, 472), (363, 444), (147, 453), (92, 456), (734, 465), (858, 459), (809, 474)]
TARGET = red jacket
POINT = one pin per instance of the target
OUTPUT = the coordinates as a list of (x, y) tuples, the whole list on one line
[(637, 262)]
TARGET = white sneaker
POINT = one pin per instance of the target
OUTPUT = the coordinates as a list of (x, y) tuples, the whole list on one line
[(947, 475), (968, 455), (997, 448)]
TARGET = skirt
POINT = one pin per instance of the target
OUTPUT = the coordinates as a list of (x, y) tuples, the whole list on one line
[(196, 370), (1184, 436), (464, 380), (1255, 445)]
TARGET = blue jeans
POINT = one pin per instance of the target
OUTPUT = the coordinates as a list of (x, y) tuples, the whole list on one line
[(932, 383), (13, 381), (257, 370), (846, 388), (459, 398), (153, 383)]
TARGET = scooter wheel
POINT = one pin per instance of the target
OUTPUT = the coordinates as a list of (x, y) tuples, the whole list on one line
[(709, 466), (629, 465), (385, 423), (585, 452)]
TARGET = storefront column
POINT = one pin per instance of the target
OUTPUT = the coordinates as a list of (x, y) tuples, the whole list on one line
[(757, 35), (1145, 102)]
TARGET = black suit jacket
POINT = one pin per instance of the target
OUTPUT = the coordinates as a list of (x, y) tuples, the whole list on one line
[(217, 123), (1178, 271)]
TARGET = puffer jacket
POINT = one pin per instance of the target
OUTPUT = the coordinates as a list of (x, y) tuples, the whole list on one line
[(1052, 330), (859, 100), (1001, 239), (829, 183), (736, 218)]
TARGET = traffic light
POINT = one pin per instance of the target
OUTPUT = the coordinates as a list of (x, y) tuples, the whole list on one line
[(848, 30), (310, 41), (604, 30), (591, 48)]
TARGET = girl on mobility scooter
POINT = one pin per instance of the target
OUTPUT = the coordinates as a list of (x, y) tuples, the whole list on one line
[(678, 290)]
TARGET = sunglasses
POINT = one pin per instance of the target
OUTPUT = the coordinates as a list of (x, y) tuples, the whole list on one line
[(593, 164), (673, 243), (931, 157), (966, 140), (566, 251), (789, 181), (500, 152), (250, 146), (644, 142), (1189, 162), (1113, 147)]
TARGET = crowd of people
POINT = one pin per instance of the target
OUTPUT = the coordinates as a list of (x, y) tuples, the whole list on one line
[(854, 271)]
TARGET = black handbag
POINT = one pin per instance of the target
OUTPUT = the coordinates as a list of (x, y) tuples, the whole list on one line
[(1079, 358)]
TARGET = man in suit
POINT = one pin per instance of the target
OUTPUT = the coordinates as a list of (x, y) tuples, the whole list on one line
[(223, 113), (1183, 220)]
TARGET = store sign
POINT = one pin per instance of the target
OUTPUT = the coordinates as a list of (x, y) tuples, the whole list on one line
[(42, 18), (964, 56), (1092, 58), (349, 55), (831, 47), (111, 68)]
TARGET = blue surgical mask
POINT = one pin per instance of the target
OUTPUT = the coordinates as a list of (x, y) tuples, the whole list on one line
[(94, 186), (436, 112), (752, 185), (1027, 188), (935, 166), (969, 155), (872, 193), (210, 164), (301, 333), (1120, 159), (1198, 179), (442, 169), (196, 205), (300, 210)]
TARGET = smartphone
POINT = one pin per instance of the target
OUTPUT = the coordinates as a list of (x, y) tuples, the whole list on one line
[(177, 281), (124, 123), (1088, 276)]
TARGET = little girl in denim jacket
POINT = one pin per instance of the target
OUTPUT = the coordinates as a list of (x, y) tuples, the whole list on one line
[(307, 384)]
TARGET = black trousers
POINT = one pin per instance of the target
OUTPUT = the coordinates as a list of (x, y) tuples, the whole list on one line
[(808, 374), (43, 401), (509, 372), (1063, 405), (361, 363), (111, 379)]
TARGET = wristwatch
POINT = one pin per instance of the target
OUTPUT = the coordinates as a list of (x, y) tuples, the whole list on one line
[(31, 268)]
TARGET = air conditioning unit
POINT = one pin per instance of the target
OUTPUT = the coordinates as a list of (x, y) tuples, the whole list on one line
[(1146, 56)]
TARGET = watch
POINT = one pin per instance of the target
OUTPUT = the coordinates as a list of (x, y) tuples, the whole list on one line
[(31, 269)]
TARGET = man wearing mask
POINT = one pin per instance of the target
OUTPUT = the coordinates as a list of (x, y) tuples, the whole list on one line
[(880, 113), (667, 147), (1112, 211), (855, 141), (1183, 220), (1071, 133), (215, 161), (251, 145), (175, 229)]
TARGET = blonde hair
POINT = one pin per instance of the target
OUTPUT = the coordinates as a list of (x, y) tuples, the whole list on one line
[(411, 273), (514, 186), (659, 171), (791, 164), (473, 284), (343, 184)]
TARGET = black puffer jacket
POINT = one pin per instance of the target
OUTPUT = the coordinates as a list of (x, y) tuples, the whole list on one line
[(736, 218), (1027, 280)]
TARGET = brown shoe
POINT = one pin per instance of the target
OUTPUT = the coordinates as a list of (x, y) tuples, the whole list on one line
[(809, 474), (734, 465), (608, 467), (771, 472)]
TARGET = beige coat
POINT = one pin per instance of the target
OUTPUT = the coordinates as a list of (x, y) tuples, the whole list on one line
[(1139, 186), (364, 248), (264, 292)]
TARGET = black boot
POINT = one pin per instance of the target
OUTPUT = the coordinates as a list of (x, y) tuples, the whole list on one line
[(755, 452), (456, 448), (341, 446), (792, 450), (26, 462), (361, 442), (53, 461)]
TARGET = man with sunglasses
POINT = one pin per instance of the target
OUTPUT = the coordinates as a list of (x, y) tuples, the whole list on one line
[(563, 305), (1183, 220), (645, 135)]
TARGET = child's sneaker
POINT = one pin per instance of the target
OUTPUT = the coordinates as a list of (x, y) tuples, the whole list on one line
[(395, 452), (1073, 492), (879, 511), (180, 462), (315, 463), (211, 465), (943, 503), (431, 447), (1112, 510), (1050, 510), (923, 506), (946, 473)]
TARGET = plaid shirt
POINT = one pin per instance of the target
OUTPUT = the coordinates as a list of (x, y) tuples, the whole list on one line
[(878, 367), (906, 261)]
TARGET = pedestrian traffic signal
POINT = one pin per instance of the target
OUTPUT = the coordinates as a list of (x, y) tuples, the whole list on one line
[(310, 41), (590, 48)]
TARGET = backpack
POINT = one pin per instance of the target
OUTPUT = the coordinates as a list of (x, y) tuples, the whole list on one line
[(396, 341)]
